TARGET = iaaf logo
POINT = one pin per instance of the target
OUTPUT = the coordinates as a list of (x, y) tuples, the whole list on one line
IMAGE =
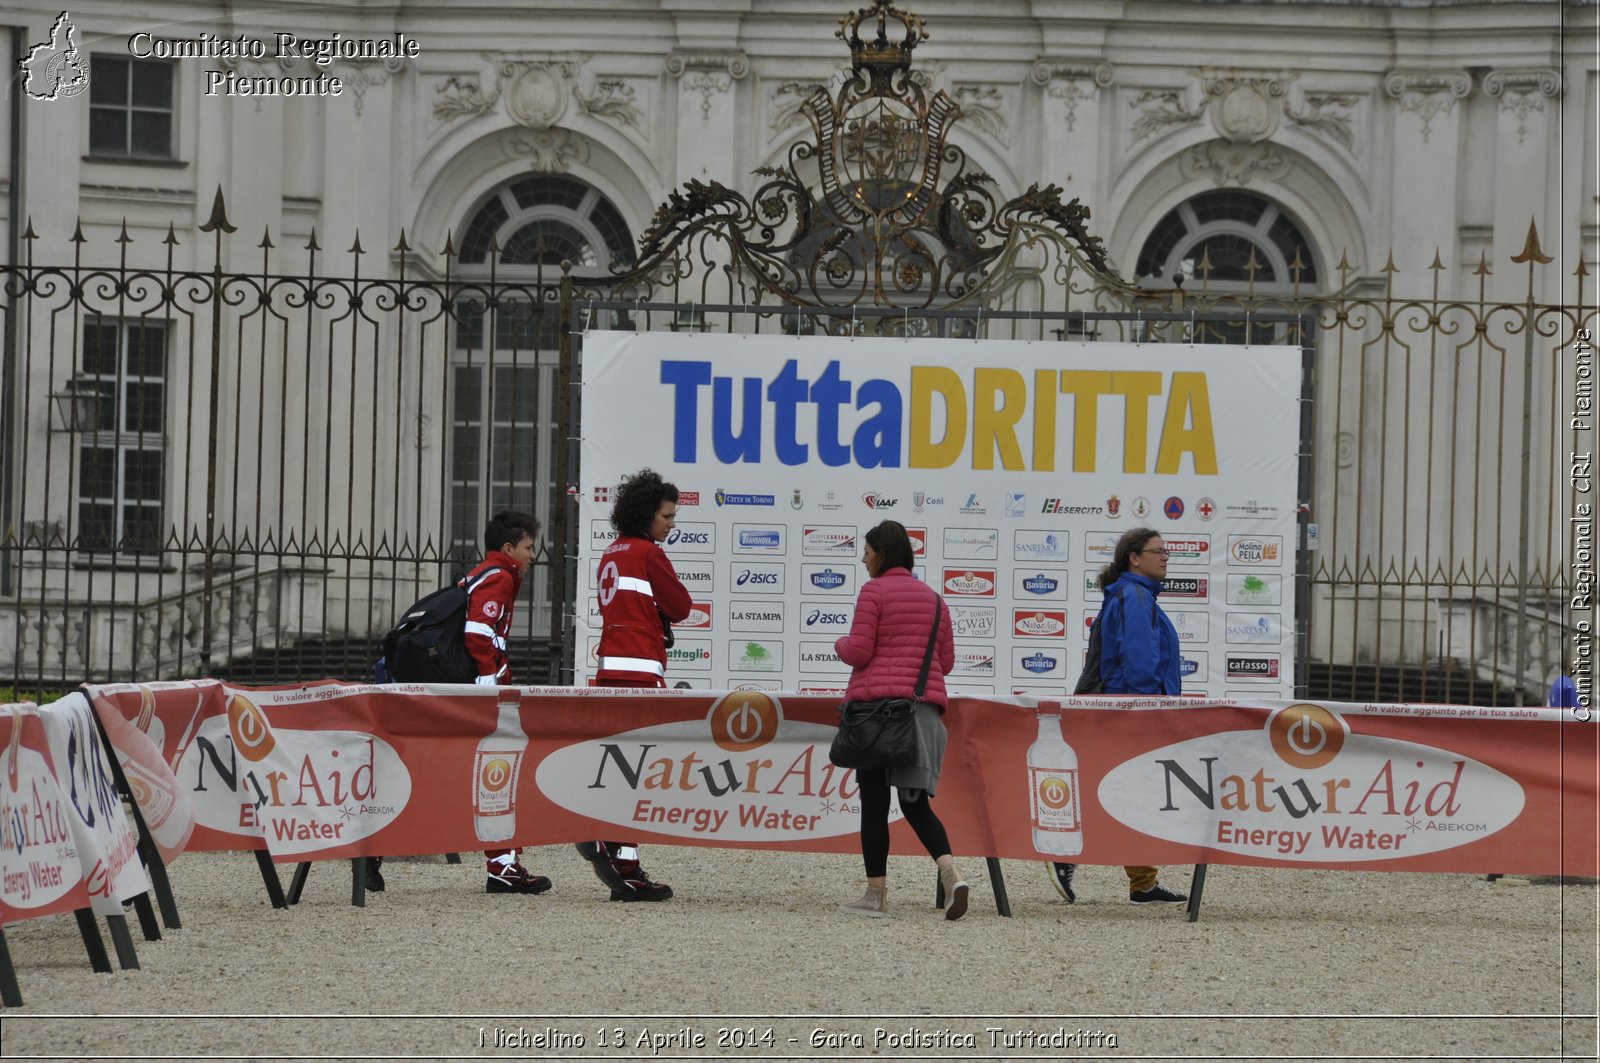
[(872, 500), (971, 583), (743, 773), (1303, 787), (1039, 624), (301, 790)]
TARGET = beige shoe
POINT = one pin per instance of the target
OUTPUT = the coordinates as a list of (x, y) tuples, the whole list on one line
[(955, 892), (874, 902)]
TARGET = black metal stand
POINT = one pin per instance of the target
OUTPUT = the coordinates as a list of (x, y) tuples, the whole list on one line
[(1197, 886), (93, 944), (358, 880), (127, 958), (269, 876), (149, 855), (10, 990)]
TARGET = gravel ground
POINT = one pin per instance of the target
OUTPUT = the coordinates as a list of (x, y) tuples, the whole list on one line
[(753, 958)]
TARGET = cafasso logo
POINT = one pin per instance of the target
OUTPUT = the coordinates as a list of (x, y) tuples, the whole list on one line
[(743, 773), (1303, 787), (1186, 589)]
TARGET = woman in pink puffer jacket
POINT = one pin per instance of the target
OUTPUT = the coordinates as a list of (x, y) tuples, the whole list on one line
[(888, 640)]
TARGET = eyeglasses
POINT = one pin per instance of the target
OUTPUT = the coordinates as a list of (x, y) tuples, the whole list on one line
[(1163, 552)]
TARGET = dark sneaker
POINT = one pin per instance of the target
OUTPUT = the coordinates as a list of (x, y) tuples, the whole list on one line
[(599, 857), (1061, 875), (636, 885), (374, 875), (1157, 894), (512, 877)]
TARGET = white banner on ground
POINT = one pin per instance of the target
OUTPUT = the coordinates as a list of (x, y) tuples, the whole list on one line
[(1015, 466), (107, 846)]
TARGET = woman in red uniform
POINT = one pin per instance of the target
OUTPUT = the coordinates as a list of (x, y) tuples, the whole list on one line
[(639, 593)]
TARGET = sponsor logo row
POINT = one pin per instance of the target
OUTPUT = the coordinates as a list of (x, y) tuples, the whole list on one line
[(1027, 584), (956, 544), (687, 658), (1012, 504)]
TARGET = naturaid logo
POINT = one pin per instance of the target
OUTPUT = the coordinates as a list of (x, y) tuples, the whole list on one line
[(55, 69)]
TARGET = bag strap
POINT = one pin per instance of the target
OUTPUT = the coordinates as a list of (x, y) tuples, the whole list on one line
[(933, 636), (470, 584)]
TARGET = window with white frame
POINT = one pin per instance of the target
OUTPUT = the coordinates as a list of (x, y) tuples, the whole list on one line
[(130, 108), (121, 484)]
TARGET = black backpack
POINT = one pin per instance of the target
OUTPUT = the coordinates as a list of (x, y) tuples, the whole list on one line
[(1089, 682), (429, 645)]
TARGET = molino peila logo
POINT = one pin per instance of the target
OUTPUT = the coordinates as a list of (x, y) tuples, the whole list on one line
[(1304, 788), (742, 773), (303, 790)]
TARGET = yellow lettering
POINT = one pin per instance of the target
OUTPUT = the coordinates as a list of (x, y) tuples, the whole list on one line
[(994, 424), (1187, 429), (1085, 386), (1139, 388), (1044, 420), (926, 382)]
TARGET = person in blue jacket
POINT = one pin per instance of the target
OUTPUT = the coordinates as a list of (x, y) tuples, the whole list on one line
[(1138, 655)]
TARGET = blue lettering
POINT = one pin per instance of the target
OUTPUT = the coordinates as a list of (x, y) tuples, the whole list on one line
[(685, 378), (786, 392), (828, 394), (746, 446), (877, 440)]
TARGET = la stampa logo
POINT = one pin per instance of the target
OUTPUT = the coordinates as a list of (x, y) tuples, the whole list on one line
[(55, 69)]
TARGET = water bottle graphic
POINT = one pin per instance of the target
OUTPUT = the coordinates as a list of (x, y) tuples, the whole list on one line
[(1053, 788), (495, 768)]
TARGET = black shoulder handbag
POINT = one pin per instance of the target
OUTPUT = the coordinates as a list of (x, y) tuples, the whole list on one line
[(883, 733)]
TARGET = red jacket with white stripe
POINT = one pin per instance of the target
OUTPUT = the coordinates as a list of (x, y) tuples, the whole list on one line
[(635, 578), (489, 608)]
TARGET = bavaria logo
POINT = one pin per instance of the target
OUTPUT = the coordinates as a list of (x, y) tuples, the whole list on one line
[(1040, 584), (1187, 666), (1039, 662), (828, 579)]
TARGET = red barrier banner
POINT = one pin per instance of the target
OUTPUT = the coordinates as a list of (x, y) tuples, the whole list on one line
[(41, 871), (334, 770)]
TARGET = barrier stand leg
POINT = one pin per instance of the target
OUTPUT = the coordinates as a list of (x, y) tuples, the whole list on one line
[(93, 943), (148, 853), (127, 959), (452, 858), (997, 880), (297, 884), (269, 876), (358, 882), (147, 917), (1197, 886), (10, 991)]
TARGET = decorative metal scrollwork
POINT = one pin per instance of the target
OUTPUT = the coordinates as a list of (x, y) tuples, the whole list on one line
[(878, 208)]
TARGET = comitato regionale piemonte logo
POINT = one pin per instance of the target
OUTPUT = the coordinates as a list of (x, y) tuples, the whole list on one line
[(54, 69)]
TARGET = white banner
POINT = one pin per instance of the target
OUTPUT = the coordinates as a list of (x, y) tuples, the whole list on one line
[(1014, 465)]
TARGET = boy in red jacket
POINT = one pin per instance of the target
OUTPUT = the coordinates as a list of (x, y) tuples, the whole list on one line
[(509, 539)]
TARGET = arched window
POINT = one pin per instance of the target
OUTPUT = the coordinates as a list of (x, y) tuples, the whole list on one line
[(506, 346), (563, 216), (1209, 241)]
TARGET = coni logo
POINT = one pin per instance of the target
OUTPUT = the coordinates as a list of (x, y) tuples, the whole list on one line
[(1306, 736), (742, 720), (1054, 792)]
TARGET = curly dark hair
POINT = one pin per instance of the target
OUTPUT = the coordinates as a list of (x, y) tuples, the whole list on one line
[(638, 498), (1131, 543), (508, 527)]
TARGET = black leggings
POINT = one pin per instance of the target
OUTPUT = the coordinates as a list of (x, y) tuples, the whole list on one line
[(875, 822)]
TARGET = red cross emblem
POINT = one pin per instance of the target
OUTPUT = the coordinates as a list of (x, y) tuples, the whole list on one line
[(1206, 508)]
